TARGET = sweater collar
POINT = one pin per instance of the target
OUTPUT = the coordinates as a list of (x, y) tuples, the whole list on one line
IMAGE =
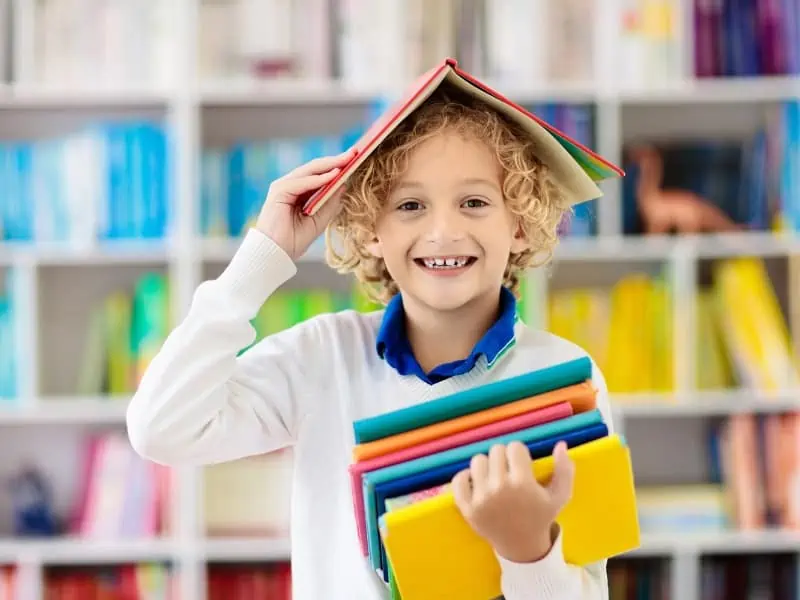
[(393, 346)]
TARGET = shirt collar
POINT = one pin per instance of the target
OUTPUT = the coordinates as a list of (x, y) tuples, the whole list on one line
[(392, 342)]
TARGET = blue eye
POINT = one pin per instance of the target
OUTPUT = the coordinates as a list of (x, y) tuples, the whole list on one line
[(475, 203)]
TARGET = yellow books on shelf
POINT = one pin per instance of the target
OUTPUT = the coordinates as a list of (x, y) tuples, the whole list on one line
[(434, 553)]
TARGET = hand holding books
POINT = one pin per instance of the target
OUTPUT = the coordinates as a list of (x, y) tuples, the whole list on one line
[(504, 503)]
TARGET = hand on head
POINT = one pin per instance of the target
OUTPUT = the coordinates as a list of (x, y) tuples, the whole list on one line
[(281, 217)]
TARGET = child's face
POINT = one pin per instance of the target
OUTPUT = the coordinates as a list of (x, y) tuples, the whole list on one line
[(445, 233)]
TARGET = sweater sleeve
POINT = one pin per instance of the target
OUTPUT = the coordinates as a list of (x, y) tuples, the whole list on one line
[(198, 402), (552, 578)]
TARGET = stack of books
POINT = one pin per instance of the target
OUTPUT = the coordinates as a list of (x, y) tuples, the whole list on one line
[(409, 526)]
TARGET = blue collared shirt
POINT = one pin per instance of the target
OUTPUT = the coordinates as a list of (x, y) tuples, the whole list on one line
[(393, 346)]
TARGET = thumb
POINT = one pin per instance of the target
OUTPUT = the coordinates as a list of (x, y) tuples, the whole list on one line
[(560, 486)]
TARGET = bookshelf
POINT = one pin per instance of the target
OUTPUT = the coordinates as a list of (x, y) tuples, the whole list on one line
[(205, 103)]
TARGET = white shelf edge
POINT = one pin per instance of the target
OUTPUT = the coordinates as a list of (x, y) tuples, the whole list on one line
[(719, 246), (102, 253), (325, 92), (34, 96), (245, 550), (756, 244), (703, 403), (711, 246), (79, 410), (322, 93), (725, 90), (79, 551), (76, 551), (64, 410), (722, 542)]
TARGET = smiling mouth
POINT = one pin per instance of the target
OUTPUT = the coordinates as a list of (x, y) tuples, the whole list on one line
[(445, 263)]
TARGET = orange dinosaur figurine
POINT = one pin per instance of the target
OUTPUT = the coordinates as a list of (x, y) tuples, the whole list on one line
[(665, 211)]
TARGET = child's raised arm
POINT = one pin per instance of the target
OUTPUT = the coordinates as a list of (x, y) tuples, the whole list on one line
[(198, 403)]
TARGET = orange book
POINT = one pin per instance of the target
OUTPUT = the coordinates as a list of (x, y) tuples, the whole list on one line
[(575, 168), (582, 397)]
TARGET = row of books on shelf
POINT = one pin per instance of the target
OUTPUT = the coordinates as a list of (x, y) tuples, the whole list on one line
[(127, 582), (368, 44), (735, 347), (753, 463), (638, 579), (360, 42), (234, 582), (125, 331), (127, 328), (50, 196), (747, 577), (721, 577), (154, 582), (752, 180), (739, 39), (741, 341), (105, 181), (742, 338), (235, 179), (730, 577), (119, 495), (752, 460)]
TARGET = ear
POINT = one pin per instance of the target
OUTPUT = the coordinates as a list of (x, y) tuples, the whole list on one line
[(374, 247), (518, 242)]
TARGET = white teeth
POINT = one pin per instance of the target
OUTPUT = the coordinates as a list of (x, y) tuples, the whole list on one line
[(446, 263)]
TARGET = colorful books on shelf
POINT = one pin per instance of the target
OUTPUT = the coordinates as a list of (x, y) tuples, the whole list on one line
[(120, 495), (51, 197), (144, 580), (409, 526)]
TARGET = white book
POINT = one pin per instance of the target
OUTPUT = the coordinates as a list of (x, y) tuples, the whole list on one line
[(249, 496), (569, 38), (515, 41), (216, 44), (264, 34), (374, 49), (312, 38)]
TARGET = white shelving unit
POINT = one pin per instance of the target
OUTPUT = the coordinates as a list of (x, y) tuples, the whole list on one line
[(198, 112)]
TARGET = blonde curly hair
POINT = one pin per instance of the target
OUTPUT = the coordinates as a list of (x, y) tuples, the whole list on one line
[(528, 190)]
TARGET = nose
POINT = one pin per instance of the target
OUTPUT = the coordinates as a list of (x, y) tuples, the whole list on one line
[(445, 225)]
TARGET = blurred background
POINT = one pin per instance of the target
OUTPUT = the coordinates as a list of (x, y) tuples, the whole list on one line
[(137, 141)]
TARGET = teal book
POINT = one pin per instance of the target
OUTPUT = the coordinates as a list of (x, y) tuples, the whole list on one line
[(473, 400)]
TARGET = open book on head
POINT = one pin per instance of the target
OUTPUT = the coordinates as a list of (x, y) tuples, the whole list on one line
[(575, 168)]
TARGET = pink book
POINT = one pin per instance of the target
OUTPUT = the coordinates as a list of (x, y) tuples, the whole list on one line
[(538, 416)]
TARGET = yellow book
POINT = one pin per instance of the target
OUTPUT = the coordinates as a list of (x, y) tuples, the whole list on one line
[(119, 365), (434, 553)]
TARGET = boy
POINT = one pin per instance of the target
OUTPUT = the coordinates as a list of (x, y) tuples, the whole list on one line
[(438, 222)]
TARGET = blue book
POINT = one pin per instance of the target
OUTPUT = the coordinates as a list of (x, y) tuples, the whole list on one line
[(473, 400)]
